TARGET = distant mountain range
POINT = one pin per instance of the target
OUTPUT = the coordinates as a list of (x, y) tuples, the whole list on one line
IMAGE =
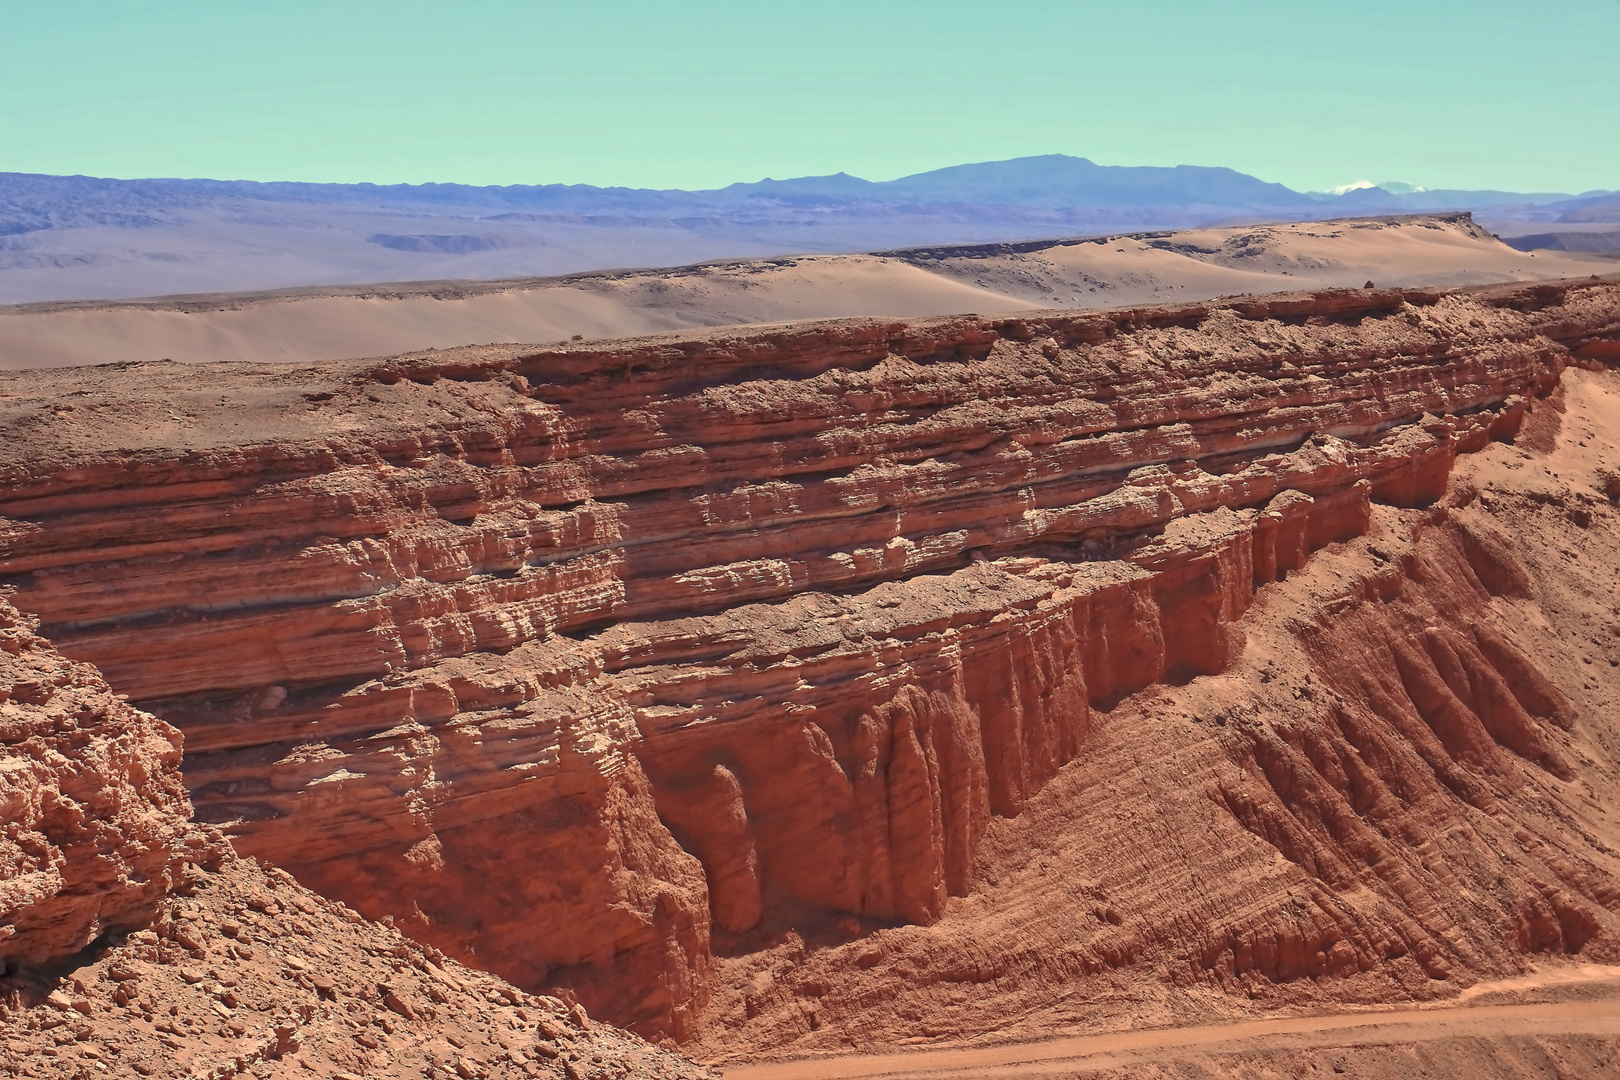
[(66, 237)]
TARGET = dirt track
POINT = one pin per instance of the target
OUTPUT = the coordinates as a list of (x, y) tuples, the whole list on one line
[(1140, 1049)]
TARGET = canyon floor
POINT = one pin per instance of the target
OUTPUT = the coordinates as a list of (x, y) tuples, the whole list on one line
[(984, 695), (1572, 1028), (321, 324)]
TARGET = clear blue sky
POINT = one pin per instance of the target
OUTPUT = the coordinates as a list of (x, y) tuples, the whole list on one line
[(1522, 95)]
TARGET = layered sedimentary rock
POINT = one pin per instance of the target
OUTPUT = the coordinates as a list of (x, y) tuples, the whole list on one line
[(573, 659), (1405, 784)]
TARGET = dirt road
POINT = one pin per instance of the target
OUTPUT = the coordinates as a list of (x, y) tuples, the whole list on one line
[(1137, 1049)]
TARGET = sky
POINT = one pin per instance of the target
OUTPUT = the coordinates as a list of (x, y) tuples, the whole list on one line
[(656, 93)]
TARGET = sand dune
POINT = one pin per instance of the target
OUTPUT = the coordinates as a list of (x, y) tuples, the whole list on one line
[(89, 238), (1444, 250), (306, 326), (303, 328)]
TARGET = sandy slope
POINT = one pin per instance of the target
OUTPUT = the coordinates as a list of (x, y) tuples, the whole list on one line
[(306, 328), (318, 325), (85, 238)]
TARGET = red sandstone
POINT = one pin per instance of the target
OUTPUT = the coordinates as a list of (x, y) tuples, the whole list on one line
[(582, 662)]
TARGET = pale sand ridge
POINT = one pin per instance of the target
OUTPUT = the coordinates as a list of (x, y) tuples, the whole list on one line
[(306, 329)]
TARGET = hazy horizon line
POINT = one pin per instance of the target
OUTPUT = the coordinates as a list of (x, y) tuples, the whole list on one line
[(1330, 192)]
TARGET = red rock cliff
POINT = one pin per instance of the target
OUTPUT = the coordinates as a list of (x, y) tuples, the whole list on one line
[(1404, 785), (572, 659)]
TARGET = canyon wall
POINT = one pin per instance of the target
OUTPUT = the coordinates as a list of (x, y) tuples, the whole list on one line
[(587, 662), (1403, 789)]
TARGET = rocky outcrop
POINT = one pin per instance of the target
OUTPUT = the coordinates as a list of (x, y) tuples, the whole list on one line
[(94, 818), (576, 660)]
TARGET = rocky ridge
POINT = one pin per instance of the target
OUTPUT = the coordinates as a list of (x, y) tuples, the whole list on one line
[(585, 663), (246, 972)]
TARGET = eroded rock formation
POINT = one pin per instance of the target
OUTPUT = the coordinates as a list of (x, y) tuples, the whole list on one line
[(94, 818), (574, 660), (1405, 784), (245, 972)]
